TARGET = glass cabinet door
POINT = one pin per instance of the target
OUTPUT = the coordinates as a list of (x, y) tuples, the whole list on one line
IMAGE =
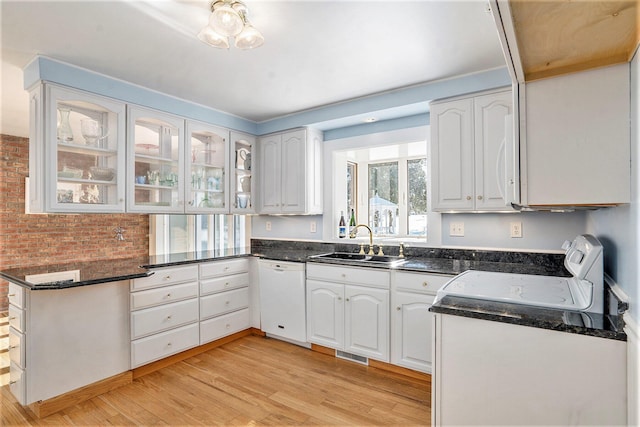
[(242, 186), (155, 143), (206, 183), (84, 146)]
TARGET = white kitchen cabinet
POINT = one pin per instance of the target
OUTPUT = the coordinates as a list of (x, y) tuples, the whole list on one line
[(290, 166), (349, 314), (493, 373), (164, 313), (468, 143), (69, 338), (206, 181), (76, 151), (575, 145), (224, 298), (243, 181), (155, 162), (411, 322)]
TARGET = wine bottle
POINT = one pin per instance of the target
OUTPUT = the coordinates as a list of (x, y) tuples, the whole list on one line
[(352, 224), (342, 226)]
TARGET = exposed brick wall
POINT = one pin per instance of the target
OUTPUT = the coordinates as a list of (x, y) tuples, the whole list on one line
[(52, 238)]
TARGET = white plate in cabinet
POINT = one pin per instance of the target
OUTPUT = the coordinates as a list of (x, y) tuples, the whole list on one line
[(220, 284), (223, 268), (164, 295), (17, 353), (216, 304), (166, 276), (16, 295), (156, 319), (421, 283), (370, 277), (222, 326), (16, 318), (165, 344), (17, 381)]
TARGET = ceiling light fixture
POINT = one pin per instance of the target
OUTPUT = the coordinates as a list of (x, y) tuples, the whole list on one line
[(229, 19)]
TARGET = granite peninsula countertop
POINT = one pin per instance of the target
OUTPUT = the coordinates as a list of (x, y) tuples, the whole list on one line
[(112, 270)]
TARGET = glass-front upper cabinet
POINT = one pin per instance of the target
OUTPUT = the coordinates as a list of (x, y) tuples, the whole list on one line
[(207, 163), (155, 143), (77, 155), (242, 184)]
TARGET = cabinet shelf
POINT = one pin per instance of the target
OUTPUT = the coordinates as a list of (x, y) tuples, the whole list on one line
[(85, 149), (85, 181), (203, 190), (143, 158), (150, 187)]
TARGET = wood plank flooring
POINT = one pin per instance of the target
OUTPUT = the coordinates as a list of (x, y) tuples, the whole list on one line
[(254, 381)]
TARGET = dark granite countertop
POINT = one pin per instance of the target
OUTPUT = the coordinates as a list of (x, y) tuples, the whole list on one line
[(168, 260), (112, 270), (90, 272), (597, 325)]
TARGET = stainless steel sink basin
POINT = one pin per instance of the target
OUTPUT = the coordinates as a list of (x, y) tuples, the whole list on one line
[(365, 259)]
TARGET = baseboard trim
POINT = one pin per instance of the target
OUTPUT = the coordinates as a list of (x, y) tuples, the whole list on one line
[(44, 408), (167, 361), (379, 365)]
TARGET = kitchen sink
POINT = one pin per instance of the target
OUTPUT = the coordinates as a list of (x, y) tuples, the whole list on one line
[(389, 260)]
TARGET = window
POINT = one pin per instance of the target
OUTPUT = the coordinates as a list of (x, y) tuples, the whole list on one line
[(390, 182), (188, 233)]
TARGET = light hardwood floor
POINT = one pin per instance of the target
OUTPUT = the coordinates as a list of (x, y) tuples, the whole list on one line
[(252, 381)]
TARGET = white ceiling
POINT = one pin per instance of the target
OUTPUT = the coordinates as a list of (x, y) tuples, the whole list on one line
[(316, 53)]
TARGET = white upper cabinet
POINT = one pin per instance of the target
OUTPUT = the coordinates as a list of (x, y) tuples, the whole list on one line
[(470, 146), (290, 165), (206, 181), (575, 144), (76, 151), (155, 143), (242, 182)]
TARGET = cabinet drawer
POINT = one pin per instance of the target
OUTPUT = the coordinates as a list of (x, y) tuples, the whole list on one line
[(161, 345), (223, 268), (17, 346), (216, 304), (16, 318), (17, 295), (418, 282), (222, 326), (17, 383), (156, 319), (224, 283), (163, 295), (378, 278), (166, 276)]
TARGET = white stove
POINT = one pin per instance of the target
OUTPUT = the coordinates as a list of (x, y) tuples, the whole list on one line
[(582, 292)]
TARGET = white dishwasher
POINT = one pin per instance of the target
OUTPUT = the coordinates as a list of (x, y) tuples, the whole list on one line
[(283, 299)]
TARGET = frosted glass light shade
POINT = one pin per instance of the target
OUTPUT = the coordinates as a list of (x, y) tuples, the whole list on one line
[(249, 38), (225, 20), (214, 39)]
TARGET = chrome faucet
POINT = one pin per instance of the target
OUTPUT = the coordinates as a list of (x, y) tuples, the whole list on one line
[(353, 232)]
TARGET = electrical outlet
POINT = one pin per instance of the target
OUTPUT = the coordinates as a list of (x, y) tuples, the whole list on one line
[(312, 227), (456, 229), (267, 225), (516, 229)]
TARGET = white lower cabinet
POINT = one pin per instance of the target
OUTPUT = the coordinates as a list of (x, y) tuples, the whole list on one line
[(351, 314), (164, 314), (61, 340), (411, 320), (493, 373), (164, 344), (224, 298)]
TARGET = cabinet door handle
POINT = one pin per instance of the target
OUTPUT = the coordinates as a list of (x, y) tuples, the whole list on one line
[(11, 347), (169, 317), (168, 344), (399, 308), (227, 303), (12, 318), (226, 284), (479, 197), (228, 326), (169, 295), (468, 197), (12, 382), (12, 295), (339, 298), (168, 277), (425, 284), (347, 299)]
